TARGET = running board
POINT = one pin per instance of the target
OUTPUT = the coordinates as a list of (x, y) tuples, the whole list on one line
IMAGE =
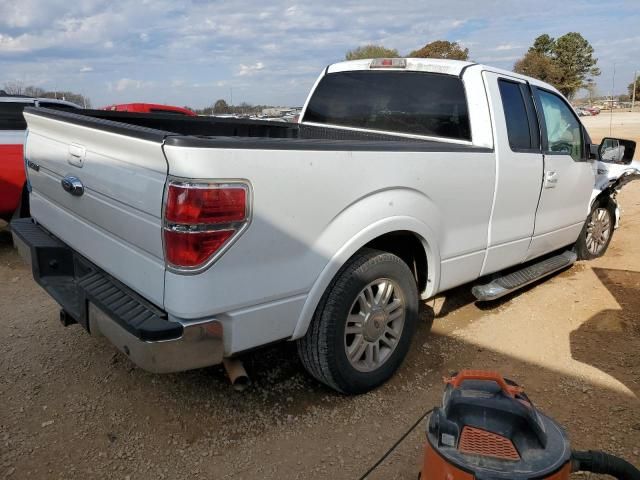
[(513, 281)]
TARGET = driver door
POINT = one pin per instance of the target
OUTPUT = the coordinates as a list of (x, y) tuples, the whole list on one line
[(568, 176)]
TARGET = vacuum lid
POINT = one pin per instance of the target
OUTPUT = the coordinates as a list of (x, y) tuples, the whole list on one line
[(487, 423)]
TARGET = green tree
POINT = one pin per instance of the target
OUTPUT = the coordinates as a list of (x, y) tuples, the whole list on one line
[(441, 49), (537, 65), (371, 51), (543, 45), (630, 88), (570, 64), (221, 106)]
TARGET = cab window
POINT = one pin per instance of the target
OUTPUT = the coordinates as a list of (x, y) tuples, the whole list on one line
[(418, 103), (563, 130)]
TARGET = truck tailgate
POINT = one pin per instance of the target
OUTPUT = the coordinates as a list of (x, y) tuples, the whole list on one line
[(116, 221)]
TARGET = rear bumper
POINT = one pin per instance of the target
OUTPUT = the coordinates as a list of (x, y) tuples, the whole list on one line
[(106, 307)]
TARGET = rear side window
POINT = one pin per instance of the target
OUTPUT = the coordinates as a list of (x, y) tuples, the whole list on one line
[(515, 113), (11, 117), (417, 103)]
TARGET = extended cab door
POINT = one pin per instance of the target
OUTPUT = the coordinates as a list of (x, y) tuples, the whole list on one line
[(519, 168), (568, 178)]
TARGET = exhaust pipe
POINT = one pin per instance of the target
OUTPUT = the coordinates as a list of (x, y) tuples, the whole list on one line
[(237, 374)]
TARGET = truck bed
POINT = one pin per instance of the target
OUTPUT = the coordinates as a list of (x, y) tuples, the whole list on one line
[(216, 132)]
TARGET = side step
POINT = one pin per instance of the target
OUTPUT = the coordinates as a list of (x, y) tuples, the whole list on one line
[(513, 281)]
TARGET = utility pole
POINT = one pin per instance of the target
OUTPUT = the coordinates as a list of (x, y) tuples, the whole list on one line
[(613, 89), (635, 85)]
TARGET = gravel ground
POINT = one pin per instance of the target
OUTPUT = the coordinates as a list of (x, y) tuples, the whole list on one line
[(72, 407)]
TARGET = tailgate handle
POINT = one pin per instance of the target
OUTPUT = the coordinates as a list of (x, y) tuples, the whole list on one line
[(73, 185), (76, 155)]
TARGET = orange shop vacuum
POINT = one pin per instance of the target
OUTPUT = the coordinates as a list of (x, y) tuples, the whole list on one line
[(488, 429)]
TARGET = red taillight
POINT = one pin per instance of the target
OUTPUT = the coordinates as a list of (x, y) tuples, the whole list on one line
[(189, 205), (192, 249), (200, 219)]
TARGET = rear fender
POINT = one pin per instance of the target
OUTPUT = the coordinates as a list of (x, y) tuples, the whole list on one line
[(351, 230)]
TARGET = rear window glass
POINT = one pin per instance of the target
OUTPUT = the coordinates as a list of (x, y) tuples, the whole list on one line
[(515, 114), (418, 103), (11, 117)]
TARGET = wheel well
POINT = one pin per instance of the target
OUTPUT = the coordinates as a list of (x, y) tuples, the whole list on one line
[(408, 246)]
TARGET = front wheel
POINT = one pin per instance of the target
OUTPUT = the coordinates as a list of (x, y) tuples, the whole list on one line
[(597, 231), (362, 328)]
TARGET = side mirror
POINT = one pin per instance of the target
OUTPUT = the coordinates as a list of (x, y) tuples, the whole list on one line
[(617, 150)]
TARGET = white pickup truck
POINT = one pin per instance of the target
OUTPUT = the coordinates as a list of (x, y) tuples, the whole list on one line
[(185, 241)]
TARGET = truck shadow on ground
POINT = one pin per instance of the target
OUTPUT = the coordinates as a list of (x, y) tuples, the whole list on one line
[(615, 330)]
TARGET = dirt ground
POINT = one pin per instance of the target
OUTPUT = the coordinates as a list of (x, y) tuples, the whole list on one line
[(72, 407)]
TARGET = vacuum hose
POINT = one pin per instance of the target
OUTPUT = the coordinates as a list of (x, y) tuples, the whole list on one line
[(605, 463)]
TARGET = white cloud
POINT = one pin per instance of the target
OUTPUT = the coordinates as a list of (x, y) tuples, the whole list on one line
[(248, 70), (507, 46), (128, 84), (86, 68)]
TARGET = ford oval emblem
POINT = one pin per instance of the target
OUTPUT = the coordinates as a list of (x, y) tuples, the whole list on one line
[(73, 185)]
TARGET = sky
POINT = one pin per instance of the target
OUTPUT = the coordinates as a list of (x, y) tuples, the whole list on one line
[(195, 52)]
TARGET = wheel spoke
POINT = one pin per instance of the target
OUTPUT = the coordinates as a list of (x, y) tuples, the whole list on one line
[(394, 309), (390, 332), (389, 342), (373, 354), (353, 330), (365, 304), (387, 293), (357, 348)]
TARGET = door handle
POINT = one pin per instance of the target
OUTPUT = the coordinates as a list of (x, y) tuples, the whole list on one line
[(76, 155), (550, 179)]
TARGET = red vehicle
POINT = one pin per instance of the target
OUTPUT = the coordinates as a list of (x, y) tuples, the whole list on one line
[(150, 108), (13, 192)]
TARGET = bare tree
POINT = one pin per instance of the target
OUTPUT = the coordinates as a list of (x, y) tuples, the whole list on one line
[(15, 87)]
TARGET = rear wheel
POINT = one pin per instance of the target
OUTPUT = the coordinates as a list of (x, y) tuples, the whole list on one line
[(597, 231), (363, 326)]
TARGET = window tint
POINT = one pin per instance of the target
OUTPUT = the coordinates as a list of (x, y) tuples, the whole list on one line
[(406, 102), (563, 129), (11, 117), (515, 114)]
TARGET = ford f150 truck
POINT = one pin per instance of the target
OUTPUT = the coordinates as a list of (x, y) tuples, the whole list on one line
[(185, 241), (13, 193)]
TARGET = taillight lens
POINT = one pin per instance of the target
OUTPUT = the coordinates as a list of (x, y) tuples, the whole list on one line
[(200, 219), (192, 249), (220, 204)]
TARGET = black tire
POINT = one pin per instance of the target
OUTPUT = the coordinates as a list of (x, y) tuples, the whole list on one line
[(323, 349), (582, 246)]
